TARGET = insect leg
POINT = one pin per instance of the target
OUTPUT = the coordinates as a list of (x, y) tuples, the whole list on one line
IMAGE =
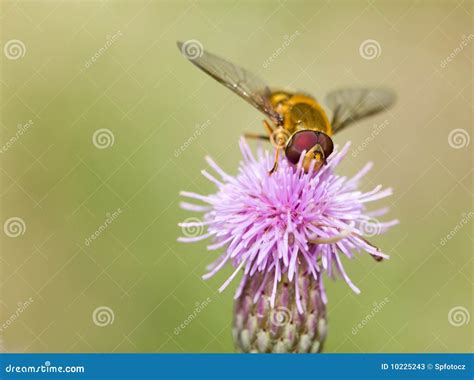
[(278, 137), (275, 164), (256, 136), (268, 127)]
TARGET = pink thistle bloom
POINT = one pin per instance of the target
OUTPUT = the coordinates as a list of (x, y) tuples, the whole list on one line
[(285, 223)]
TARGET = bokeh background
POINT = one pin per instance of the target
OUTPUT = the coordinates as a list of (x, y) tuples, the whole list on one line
[(61, 187)]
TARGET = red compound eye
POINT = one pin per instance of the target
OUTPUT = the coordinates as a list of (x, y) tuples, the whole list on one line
[(304, 141)]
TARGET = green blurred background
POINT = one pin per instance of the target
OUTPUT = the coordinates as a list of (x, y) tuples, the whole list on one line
[(151, 99)]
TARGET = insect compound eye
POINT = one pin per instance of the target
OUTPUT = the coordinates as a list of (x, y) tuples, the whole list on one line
[(304, 141), (326, 143)]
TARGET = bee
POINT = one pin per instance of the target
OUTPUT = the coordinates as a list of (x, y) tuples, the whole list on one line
[(297, 121)]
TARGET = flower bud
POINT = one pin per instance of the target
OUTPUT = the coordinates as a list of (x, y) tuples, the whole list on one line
[(259, 328)]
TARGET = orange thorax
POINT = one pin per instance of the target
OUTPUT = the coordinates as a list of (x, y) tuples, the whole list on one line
[(300, 112)]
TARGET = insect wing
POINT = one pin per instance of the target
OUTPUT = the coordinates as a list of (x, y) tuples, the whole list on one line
[(245, 84), (353, 104)]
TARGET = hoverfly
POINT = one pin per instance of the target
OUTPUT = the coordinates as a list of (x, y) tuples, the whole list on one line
[(299, 123)]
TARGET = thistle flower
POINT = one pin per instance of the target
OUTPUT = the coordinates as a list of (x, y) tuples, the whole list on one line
[(282, 228)]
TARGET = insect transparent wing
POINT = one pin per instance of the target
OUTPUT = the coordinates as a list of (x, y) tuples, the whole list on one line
[(352, 104), (245, 84)]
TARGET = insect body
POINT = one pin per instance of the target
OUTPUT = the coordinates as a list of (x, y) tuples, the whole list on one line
[(300, 112), (298, 123), (305, 127)]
